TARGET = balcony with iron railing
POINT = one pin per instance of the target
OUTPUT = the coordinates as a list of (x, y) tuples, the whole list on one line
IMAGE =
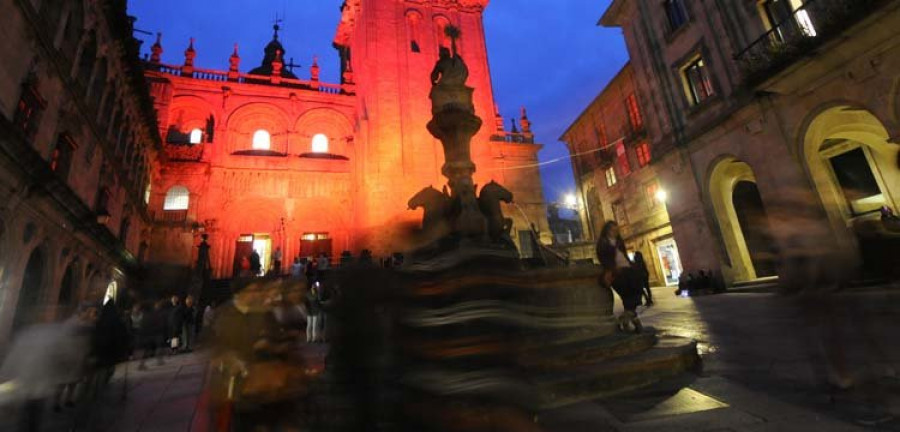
[(810, 25)]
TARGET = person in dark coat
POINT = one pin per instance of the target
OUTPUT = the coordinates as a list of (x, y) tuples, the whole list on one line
[(109, 344), (643, 278), (175, 323), (255, 263), (189, 328), (619, 272), (154, 334)]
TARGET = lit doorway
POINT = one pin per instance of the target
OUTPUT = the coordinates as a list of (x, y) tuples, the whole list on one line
[(669, 261), (243, 249), (754, 224), (262, 244)]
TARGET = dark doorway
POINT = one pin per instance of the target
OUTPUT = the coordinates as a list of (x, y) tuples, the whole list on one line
[(242, 249), (755, 226), (27, 308), (66, 289)]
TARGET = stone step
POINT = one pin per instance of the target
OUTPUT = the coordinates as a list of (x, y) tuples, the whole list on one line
[(588, 351), (670, 357)]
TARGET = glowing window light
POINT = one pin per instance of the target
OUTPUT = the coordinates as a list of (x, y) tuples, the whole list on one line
[(262, 140), (320, 143), (177, 198), (196, 136)]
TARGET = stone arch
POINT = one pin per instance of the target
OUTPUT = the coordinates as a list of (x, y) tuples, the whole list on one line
[(840, 137), (35, 276), (247, 119), (68, 289), (742, 219), (414, 23), (332, 123), (187, 113)]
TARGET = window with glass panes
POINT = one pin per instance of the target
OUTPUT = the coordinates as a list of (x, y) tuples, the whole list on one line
[(697, 81), (643, 154)]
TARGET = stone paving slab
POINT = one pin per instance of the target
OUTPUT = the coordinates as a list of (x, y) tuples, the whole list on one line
[(707, 405)]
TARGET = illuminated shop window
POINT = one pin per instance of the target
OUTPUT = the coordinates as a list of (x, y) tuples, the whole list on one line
[(177, 198), (262, 140), (196, 136), (320, 143)]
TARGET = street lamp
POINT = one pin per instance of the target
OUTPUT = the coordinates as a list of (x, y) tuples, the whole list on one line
[(570, 201), (662, 195)]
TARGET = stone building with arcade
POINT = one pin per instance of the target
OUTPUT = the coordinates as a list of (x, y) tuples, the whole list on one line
[(265, 156), (773, 128), (78, 146), (615, 180)]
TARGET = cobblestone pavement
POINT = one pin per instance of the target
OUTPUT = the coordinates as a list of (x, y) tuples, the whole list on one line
[(760, 374)]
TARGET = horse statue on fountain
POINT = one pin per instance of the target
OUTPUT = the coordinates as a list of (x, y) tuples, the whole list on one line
[(489, 199), (437, 206)]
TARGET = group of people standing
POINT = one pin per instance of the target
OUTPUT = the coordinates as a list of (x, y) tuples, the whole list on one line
[(167, 326), (629, 278)]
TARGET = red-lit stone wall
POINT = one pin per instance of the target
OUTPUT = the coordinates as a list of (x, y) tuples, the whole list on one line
[(380, 152), (393, 84)]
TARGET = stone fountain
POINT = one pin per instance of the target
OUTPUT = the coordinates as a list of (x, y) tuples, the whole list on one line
[(481, 338)]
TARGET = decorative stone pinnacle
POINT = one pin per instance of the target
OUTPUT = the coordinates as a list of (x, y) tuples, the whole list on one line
[(156, 50)]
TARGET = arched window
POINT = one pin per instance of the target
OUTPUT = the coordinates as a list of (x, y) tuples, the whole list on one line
[(177, 198), (413, 18), (320, 143), (196, 136), (440, 31), (262, 140)]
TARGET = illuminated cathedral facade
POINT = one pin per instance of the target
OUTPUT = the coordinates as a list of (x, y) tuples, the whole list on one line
[(260, 158)]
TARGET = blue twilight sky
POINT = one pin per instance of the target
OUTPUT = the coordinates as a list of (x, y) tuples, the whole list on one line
[(548, 55)]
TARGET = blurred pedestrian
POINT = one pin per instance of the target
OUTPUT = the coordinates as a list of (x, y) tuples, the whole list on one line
[(42, 360), (255, 263), (276, 261), (110, 345), (175, 323), (643, 277), (189, 327), (136, 322), (259, 382), (314, 314), (618, 271), (297, 268), (154, 334)]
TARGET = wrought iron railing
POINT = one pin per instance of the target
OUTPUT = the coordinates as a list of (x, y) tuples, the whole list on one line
[(813, 23)]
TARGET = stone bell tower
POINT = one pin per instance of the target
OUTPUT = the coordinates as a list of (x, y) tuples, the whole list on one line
[(388, 49)]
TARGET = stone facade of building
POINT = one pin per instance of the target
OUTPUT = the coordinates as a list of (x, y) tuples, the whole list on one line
[(616, 181), (275, 158), (78, 144), (773, 125)]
